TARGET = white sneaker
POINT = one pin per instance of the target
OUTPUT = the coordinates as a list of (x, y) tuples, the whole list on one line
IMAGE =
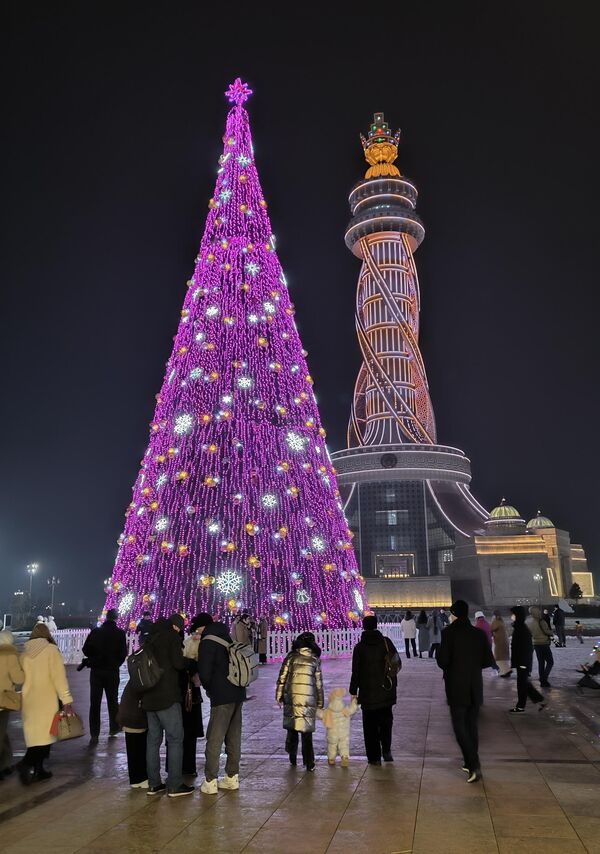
[(229, 782), (209, 787), (143, 785)]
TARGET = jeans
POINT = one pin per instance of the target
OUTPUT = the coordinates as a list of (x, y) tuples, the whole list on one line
[(135, 744), (5, 748), (525, 689), (224, 725), (545, 661), (407, 642), (106, 681), (291, 746), (169, 722), (464, 723), (377, 731)]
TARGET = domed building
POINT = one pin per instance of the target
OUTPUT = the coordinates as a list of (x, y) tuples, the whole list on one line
[(516, 561)]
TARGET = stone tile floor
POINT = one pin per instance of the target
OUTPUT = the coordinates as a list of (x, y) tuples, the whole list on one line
[(541, 787)]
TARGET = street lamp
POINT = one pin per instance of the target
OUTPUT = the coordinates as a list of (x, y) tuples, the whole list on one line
[(539, 578), (53, 582), (32, 568)]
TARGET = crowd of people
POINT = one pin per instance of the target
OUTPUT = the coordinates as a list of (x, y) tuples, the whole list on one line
[(187, 660)]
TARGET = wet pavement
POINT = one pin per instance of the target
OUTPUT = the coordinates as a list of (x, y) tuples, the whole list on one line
[(540, 792)]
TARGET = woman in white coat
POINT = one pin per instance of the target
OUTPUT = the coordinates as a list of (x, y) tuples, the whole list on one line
[(409, 633), (45, 684)]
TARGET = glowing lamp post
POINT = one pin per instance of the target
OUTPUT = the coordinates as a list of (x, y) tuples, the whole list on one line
[(539, 578), (52, 582), (32, 568)]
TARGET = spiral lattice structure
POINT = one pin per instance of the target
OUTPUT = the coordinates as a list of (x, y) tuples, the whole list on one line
[(391, 396)]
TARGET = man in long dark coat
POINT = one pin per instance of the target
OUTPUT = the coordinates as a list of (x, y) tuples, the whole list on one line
[(464, 652)]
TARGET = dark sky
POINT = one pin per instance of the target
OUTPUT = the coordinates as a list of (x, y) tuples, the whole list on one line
[(115, 118)]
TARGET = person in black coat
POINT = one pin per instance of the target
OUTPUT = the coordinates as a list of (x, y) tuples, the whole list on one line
[(226, 699), (374, 691), (105, 649), (558, 620), (464, 652), (132, 720), (521, 659)]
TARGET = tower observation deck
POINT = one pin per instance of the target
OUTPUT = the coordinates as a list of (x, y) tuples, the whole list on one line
[(407, 497)]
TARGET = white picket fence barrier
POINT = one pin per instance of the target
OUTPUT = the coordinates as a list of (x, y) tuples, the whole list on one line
[(70, 643), (333, 642)]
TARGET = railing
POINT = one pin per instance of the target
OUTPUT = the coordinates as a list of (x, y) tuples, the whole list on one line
[(70, 643), (333, 642)]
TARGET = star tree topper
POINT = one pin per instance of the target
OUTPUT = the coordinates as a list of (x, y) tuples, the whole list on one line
[(238, 92)]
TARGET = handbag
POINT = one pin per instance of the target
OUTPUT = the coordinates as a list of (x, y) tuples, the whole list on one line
[(66, 726), (10, 700)]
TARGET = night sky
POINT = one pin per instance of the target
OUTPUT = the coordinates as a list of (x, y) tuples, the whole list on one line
[(115, 118)]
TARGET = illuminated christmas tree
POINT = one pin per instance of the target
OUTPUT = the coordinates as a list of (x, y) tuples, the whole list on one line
[(236, 504)]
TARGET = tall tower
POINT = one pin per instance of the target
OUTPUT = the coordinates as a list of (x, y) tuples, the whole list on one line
[(407, 497), (391, 397)]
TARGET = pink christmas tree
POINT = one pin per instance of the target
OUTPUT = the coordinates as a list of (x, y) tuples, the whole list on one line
[(236, 504)]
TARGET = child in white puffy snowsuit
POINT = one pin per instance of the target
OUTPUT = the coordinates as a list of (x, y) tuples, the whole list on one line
[(336, 719)]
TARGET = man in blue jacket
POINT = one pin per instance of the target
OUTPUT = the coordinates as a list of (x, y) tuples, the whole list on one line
[(225, 723)]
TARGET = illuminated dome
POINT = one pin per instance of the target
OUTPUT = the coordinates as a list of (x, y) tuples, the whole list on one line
[(504, 511), (540, 521)]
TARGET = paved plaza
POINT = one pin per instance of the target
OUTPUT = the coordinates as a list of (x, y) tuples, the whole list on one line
[(540, 792)]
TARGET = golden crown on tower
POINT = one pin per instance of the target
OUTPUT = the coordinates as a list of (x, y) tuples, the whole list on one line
[(381, 148)]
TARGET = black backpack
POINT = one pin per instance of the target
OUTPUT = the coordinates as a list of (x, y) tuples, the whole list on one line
[(392, 664), (144, 670)]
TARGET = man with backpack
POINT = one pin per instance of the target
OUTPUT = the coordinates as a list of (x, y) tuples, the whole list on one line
[(105, 649), (217, 666), (162, 704), (375, 665)]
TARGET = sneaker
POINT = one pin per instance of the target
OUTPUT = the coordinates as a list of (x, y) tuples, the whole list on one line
[(143, 785), (516, 710), (387, 757), (465, 769), (94, 741), (506, 675), (229, 782), (375, 762), (156, 790), (41, 775), (293, 760), (210, 787), (474, 776), (113, 733), (310, 767), (181, 791), (331, 761), (345, 761), (542, 706)]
